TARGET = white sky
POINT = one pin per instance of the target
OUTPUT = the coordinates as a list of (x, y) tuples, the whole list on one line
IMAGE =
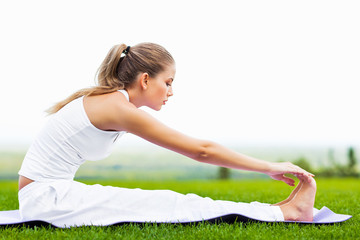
[(248, 72)]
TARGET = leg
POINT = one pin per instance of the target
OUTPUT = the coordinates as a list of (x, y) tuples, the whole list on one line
[(292, 195), (300, 208)]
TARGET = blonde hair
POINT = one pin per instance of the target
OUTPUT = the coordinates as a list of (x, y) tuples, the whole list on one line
[(120, 67)]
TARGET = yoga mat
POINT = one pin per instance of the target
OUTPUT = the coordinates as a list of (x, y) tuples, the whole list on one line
[(322, 216)]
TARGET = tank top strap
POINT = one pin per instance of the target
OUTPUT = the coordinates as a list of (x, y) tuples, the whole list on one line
[(123, 91)]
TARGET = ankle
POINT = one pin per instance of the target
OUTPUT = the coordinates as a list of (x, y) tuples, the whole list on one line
[(298, 212)]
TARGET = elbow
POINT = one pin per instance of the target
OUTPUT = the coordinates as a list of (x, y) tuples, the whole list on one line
[(204, 151)]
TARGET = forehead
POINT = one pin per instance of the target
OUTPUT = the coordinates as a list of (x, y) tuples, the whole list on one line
[(169, 72), (171, 68)]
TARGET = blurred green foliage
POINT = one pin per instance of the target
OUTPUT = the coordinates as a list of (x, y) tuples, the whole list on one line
[(334, 169), (224, 173), (166, 165)]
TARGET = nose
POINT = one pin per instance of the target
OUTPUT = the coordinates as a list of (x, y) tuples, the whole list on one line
[(170, 92)]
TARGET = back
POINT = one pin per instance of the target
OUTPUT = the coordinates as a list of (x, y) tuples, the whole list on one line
[(66, 141)]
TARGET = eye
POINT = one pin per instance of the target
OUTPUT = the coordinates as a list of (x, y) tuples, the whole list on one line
[(168, 84)]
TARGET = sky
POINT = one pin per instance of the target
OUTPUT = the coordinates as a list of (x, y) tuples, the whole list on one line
[(248, 72)]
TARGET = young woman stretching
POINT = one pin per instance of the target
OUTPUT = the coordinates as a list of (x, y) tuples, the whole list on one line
[(85, 126)]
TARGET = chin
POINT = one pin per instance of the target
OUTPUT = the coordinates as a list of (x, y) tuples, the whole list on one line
[(156, 108)]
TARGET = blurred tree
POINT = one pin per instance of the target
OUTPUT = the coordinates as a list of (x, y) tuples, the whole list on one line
[(351, 157), (331, 157), (352, 162), (224, 173), (303, 163)]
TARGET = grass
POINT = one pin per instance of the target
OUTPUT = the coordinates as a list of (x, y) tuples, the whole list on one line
[(340, 195)]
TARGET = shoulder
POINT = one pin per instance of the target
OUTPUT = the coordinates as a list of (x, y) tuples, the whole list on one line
[(111, 97), (103, 110), (109, 101), (114, 112)]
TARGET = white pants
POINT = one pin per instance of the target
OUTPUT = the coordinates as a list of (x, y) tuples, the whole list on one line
[(66, 203)]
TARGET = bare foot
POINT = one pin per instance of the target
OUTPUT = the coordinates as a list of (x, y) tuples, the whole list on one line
[(291, 196), (300, 208)]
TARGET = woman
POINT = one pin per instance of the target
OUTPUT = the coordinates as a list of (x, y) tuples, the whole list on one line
[(85, 126)]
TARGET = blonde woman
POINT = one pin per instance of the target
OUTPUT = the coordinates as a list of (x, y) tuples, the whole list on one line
[(85, 126)]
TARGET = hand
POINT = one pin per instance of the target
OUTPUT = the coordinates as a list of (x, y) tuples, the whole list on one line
[(277, 171)]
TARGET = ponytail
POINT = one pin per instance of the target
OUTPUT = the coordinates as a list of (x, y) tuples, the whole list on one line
[(108, 71), (120, 68)]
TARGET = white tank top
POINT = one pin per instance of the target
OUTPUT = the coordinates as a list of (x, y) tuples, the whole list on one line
[(66, 141)]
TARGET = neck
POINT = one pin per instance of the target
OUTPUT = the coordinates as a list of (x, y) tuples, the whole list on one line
[(135, 97)]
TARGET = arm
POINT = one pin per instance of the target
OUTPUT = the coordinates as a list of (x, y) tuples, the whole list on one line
[(113, 111), (126, 117), (145, 126)]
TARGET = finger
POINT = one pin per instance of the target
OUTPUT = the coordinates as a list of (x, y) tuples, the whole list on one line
[(302, 172), (290, 181), (310, 174), (305, 177), (309, 178), (287, 180)]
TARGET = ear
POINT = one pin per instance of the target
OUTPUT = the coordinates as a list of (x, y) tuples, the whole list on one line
[(144, 80)]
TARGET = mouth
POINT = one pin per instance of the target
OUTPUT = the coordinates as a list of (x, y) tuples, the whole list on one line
[(164, 102)]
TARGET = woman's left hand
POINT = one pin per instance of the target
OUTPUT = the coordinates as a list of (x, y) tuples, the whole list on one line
[(277, 171)]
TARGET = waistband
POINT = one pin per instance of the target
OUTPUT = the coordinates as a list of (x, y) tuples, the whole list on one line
[(37, 188)]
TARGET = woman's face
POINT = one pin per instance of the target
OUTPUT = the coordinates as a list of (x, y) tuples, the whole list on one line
[(160, 88)]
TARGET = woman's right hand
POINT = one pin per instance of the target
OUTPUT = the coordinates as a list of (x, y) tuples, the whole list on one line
[(278, 170)]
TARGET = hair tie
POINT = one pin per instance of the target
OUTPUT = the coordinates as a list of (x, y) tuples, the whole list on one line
[(126, 51)]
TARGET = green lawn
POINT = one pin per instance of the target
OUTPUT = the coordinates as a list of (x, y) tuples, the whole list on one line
[(340, 195)]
